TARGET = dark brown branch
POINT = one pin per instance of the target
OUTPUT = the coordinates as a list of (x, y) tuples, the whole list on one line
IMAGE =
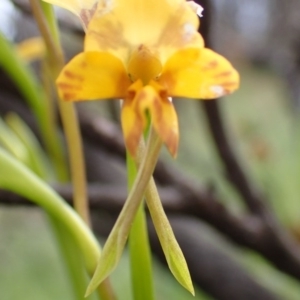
[(247, 231), (281, 246), (207, 256), (179, 202), (234, 172), (109, 198), (274, 242)]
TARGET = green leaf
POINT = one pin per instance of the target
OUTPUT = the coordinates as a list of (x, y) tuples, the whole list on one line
[(12, 143), (37, 159), (15, 177)]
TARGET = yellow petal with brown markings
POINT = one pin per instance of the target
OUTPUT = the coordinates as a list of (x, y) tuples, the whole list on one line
[(152, 98), (163, 116), (132, 122), (199, 73), (93, 75)]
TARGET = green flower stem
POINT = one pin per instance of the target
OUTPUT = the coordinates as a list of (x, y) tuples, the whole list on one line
[(67, 110), (139, 248), (44, 17), (70, 122), (116, 241), (36, 99), (77, 163)]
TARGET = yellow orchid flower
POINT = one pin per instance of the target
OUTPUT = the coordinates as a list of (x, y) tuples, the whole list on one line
[(146, 52)]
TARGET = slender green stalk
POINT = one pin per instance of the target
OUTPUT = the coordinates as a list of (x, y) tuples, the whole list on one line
[(139, 248), (50, 34), (67, 110)]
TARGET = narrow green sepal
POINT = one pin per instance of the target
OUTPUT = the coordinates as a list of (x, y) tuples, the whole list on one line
[(171, 249), (116, 241)]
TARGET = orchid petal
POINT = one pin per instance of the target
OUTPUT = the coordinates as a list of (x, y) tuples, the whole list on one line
[(127, 24), (132, 122), (199, 73), (163, 116), (84, 9), (180, 32), (93, 75), (152, 98)]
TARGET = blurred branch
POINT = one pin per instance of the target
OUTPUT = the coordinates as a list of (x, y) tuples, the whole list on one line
[(274, 242), (198, 241), (234, 172)]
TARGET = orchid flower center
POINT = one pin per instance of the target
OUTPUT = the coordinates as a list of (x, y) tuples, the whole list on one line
[(144, 65)]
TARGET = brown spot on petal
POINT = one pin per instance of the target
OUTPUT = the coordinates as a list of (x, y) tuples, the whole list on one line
[(223, 74), (67, 86), (73, 76), (130, 95), (69, 96), (211, 65), (133, 137), (83, 64), (163, 93), (229, 84)]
